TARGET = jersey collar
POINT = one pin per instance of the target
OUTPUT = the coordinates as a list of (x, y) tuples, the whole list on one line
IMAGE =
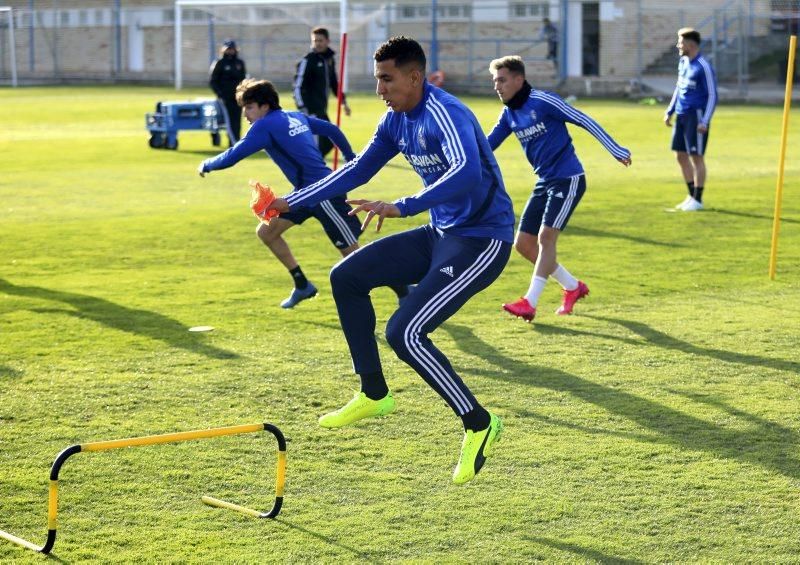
[(518, 100)]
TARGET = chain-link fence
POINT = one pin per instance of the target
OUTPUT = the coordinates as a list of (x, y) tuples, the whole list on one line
[(603, 47)]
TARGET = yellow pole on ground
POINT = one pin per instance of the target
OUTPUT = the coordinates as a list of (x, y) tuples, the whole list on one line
[(787, 104)]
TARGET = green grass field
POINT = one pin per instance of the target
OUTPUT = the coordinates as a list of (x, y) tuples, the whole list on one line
[(658, 424)]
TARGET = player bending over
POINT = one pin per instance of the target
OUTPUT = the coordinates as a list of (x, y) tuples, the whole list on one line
[(538, 119), (458, 254), (288, 138)]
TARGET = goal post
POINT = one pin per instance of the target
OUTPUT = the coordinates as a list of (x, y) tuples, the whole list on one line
[(8, 53), (231, 9)]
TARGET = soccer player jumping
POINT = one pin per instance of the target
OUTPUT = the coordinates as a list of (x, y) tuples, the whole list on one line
[(288, 138), (538, 119), (458, 254)]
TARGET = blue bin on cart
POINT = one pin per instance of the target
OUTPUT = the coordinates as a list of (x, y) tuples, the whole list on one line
[(171, 117)]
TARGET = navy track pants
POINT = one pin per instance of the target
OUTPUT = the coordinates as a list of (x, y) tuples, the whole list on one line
[(447, 269)]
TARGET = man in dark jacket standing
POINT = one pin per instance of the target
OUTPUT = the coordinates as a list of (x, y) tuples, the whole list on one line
[(316, 80), (226, 74)]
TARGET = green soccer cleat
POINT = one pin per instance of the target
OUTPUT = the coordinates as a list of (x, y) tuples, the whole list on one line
[(358, 408), (477, 446)]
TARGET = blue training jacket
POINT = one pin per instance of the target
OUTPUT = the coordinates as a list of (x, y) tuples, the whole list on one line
[(696, 88), (540, 126), (443, 142), (288, 138)]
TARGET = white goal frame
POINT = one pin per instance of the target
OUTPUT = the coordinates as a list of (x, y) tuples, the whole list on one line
[(181, 4), (11, 43)]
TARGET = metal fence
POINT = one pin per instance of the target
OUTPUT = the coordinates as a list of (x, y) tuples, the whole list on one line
[(603, 47)]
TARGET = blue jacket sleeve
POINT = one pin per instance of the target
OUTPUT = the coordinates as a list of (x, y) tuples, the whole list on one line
[(460, 147), (363, 167), (500, 131), (332, 132), (254, 141), (673, 102), (711, 89), (572, 115)]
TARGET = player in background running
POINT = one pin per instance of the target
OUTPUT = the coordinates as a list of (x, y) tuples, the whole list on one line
[(539, 119), (288, 138)]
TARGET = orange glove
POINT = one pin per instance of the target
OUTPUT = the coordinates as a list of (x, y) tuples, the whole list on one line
[(261, 199)]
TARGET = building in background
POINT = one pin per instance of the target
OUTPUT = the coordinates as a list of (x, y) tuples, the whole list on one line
[(605, 47)]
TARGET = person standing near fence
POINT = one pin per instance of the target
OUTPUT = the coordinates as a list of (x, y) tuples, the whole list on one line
[(226, 74), (694, 101), (538, 119), (315, 80), (549, 33)]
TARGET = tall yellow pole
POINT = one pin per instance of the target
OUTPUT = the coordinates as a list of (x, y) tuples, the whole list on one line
[(787, 104)]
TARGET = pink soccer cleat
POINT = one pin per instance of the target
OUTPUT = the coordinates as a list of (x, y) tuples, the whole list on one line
[(521, 309), (571, 297)]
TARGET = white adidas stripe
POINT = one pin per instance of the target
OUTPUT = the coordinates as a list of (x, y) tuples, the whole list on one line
[(340, 222), (434, 305), (301, 70), (445, 123), (699, 135), (298, 196), (567, 206), (711, 88)]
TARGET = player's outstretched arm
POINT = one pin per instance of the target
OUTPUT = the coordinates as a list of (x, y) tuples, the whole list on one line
[(374, 208), (334, 133)]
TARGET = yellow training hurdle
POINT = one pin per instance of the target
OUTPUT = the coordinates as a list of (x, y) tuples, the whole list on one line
[(52, 506)]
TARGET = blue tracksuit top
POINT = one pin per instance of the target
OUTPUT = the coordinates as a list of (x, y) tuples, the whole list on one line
[(696, 88), (288, 138), (443, 142), (540, 126)]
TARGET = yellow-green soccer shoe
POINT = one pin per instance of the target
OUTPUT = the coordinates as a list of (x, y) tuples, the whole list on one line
[(358, 408), (477, 446)]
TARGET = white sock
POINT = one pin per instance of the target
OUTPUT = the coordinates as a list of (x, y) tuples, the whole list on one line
[(564, 278), (535, 290)]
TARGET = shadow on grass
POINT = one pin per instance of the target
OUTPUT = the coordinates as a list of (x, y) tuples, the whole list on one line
[(577, 230), (140, 322), (580, 551), (749, 215), (766, 444), (7, 372), (327, 539), (660, 339)]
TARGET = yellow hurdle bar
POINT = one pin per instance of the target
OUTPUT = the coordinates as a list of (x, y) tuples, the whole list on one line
[(52, 505), (280, 479), (171, 438)]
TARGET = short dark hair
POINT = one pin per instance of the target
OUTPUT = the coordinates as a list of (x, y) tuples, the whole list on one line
[(319, 30), (403, 50), (690, 33), (259, 91), (513, 63)]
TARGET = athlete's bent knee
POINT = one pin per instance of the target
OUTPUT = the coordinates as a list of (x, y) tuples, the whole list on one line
[(396, 330), (548, 236)]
